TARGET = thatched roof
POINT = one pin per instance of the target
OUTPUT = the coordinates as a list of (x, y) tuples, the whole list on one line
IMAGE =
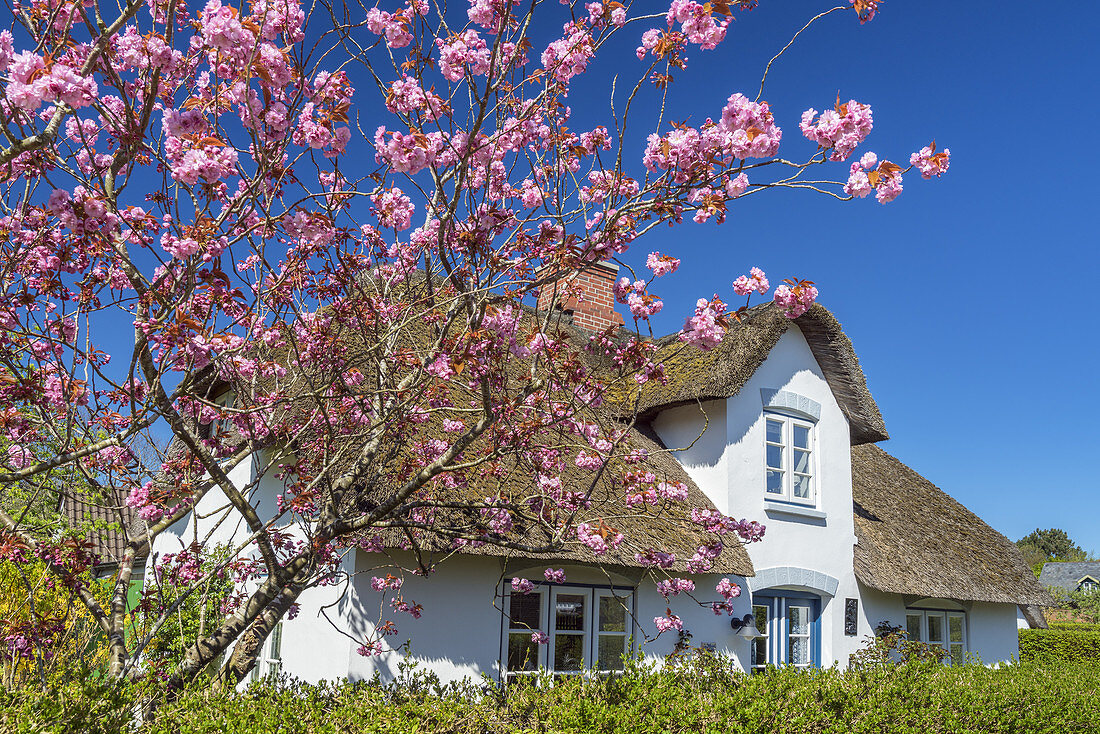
[(914, 539), (667, 528), (694, 374), (509, 476)]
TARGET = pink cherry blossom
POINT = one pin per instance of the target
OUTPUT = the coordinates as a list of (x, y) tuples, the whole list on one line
[(754, 281), (929, 162), (795, 301), (705, 329), (838, 130), (556, 576), (665, 624)]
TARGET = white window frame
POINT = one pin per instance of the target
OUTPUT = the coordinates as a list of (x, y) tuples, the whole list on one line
[(1088, 585), (788, 423), (510, 628), (269, 663), (591, 634), (946, 644)]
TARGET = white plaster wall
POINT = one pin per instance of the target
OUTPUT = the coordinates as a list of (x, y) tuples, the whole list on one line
[(200, 525), (990, 628), (993, 634), (459, 634), (311, 648)]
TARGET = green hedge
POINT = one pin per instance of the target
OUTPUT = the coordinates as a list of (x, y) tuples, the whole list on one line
[(1062, 642), (1074, 626), (908, 699)]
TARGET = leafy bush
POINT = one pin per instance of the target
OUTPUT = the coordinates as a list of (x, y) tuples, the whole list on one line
[(704, 696), (1063, 642)]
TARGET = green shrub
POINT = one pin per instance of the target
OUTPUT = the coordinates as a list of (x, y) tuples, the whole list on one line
[(1063, 642), (699, 697), (1074, 626)]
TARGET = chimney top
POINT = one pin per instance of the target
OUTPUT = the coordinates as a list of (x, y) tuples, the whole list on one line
[(594, 310)]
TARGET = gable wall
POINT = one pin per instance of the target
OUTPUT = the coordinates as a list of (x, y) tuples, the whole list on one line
[(727, 462)]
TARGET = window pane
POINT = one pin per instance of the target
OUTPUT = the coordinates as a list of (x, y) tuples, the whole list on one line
[(958, 657), (523, 652), (760, 651), (760, 613), (275, 650), (935, 628), (568, 652), (798, 651), (802, 461), (912, 626), (798, 619), (955, 628), (775, 457), (523, 611), (570, 612), (610, 652), (775, 482), (612, 614), (803, 488), (775, 431), (760, 644), (801, 436)]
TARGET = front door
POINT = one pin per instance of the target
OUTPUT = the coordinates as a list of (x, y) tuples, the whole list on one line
[(792, 630)]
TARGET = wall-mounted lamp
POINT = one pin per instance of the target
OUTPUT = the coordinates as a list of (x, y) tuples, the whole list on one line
[(746, 627)]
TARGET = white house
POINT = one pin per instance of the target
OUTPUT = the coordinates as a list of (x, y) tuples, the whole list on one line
[(780, 428)]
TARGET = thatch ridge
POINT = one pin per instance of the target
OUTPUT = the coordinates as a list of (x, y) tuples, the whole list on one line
[(915, 539), (695, 375)]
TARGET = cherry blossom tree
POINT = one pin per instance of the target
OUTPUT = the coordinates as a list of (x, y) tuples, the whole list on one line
[(341, 216)]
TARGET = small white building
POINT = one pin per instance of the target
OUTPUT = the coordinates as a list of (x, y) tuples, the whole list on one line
[(775, 425)]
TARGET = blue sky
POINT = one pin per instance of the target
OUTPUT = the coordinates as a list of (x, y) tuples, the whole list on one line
[(970, 299)]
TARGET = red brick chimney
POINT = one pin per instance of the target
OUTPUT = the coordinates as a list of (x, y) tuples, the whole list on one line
[(594, 308)]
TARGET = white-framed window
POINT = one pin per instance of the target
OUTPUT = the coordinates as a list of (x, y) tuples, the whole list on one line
[(791, 625), (588, 628), (943, 629), (1088, 585), (269, 663), (789, 459)]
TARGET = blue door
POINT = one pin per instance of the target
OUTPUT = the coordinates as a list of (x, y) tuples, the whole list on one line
[(792, 625)]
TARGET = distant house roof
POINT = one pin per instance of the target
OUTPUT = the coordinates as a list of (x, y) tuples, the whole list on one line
[(103, 524), (914, 539), (1068, 574), (693, 374)]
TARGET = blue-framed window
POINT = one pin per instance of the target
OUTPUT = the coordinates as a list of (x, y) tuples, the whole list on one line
[(792, 625)]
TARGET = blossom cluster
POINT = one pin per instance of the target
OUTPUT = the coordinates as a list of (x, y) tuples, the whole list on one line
[(668, 623), (929, 162), (707, 327), (661, 264), (673, 587), (599, 538), (697, 23), (747, 129), (32, 81), (795, 299), (839, 130), (754, 281), (554, 576)]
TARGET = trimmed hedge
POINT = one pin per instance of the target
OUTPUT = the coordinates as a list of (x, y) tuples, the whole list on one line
[(1064, 641), (907, 699)]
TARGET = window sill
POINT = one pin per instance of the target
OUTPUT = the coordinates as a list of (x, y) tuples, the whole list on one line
[(782, 508)]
